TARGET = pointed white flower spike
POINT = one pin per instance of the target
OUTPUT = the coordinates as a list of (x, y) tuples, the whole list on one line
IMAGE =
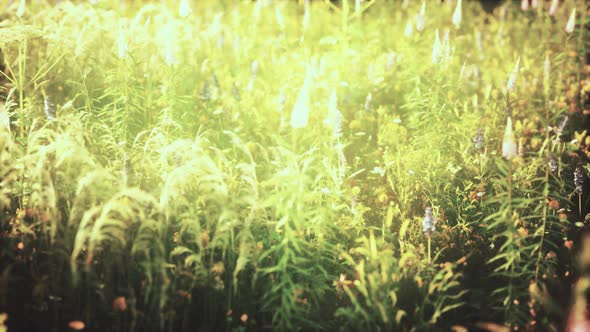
[(436, 49), (571, 23), (4, 121), (184, 9), (421, 18), (546, 74), (306, 17), (409, 31), (446, 47), (280, 19), (547, 67), (300, 114), (524, 5), (334, 119), (170, 57), (257, 9), (509, 148), (511, 84), (554, 7), (20, 11), (457, 15), (534, 4), (122, 46), (462, 71)]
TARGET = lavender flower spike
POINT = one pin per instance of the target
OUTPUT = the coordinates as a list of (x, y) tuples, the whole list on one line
[(553, 165), (429, 222), (479, 141), (49, 109), (579, 180)]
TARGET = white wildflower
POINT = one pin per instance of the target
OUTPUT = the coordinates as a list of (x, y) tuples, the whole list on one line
[(509, 148), (436, 49), (429, 222), (511, 84), (300, 114), (457, 15), (334, 119), (409, 31), (378, 170), (571, 22), (184, 8), (122, 46), (554, 7)]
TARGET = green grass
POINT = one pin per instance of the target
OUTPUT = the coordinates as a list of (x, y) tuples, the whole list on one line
[(224, 165)]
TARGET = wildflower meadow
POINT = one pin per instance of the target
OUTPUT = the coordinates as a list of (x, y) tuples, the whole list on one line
[(283, 165)]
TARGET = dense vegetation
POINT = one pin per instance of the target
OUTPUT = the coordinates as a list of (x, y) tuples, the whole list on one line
[(270, 165)]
